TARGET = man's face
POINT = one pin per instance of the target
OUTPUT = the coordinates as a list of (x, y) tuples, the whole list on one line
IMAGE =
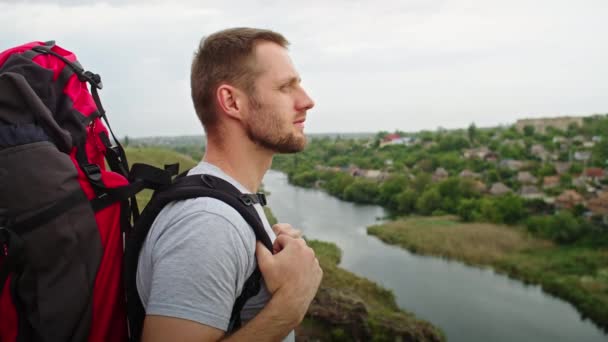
[(278, 105)]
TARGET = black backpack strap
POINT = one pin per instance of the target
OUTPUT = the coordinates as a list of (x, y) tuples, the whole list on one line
[(188, 187)]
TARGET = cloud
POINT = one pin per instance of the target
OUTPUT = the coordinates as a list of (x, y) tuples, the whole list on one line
[(369, 65)]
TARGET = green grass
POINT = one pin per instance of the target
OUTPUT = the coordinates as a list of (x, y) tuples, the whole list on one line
[(578, 274)]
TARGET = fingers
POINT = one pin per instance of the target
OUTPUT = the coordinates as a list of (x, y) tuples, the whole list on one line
[(283, 240), (287, 229), (263, 255)]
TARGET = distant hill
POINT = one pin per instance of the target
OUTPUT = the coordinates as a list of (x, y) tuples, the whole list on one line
[(184, 140)]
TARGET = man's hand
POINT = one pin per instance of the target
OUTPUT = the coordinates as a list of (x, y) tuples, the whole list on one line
[(284, 229), (292, 275)]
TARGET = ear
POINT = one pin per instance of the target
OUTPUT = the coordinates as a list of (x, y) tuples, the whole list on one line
[(230, 101)]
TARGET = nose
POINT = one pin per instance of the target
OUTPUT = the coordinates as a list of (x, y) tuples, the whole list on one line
[(306, 102)]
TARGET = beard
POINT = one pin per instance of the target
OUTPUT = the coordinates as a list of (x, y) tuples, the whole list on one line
[(265, 127)]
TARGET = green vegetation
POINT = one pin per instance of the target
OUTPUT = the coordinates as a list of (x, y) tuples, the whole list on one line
[(577, 273), (499, 175)]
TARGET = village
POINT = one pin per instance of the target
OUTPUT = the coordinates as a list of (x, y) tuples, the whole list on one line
[(556, 161)]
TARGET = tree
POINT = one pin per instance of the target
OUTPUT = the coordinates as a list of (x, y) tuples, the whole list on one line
[(406, 201), (429, 201), (510, 208), (468, 209), (472, 132), (361, 191), (391, 188), (529, 130)]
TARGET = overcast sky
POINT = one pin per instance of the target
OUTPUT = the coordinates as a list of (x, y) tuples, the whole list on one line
[(369, 65)]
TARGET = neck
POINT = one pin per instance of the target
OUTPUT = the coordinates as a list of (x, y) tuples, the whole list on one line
[(241, 159)]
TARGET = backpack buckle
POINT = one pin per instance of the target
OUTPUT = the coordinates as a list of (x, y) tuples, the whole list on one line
[(93, 173), (262, 199), (93, 79), (246, 199)]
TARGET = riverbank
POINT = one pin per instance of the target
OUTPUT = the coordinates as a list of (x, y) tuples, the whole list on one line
[(351, 308), (576, 273)]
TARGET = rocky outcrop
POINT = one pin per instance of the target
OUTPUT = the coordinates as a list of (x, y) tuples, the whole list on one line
[(337, 315)]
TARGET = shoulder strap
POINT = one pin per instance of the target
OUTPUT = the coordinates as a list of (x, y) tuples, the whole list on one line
[(183, 188)]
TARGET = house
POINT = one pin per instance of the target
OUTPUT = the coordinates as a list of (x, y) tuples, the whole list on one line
[(499, 189), (539, 152), (562, 167), (568, 199), (559, 140), (479, 186), (525, 177), (550, 182), (476, 153), (376, 175), (530, 192), (491, 157), (511, 164), (595, 174), (396, 139), (540, 125), (466, 173), (440, 174), (578, 139), (582, 155), (580, 181), (598, 206), (355, 171), (588, 144)]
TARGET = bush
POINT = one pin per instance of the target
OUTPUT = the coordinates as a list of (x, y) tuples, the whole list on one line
[(510, 208), (563, 227), (429, 201), (468, 210), (362, 191), (305, 179), (406, 201)]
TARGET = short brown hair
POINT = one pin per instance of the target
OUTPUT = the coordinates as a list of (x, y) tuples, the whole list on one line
[(225, 56)]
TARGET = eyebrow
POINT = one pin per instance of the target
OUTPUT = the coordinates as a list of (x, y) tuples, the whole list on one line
[(290, 81)]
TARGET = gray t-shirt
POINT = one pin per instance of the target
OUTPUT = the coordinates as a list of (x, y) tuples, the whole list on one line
[(197, 257)]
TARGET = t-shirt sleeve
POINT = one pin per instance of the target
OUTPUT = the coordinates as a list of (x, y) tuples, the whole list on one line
[(199, 266)]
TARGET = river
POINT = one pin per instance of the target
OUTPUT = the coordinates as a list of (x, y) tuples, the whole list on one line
[(467, 303)]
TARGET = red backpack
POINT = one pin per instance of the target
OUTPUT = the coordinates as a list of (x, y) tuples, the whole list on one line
[(62, 213), (65, 274)]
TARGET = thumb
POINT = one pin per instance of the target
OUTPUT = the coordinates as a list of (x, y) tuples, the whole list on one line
[(263, 255)]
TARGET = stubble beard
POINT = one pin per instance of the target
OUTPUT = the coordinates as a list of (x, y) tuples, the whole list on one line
[(265, 130)]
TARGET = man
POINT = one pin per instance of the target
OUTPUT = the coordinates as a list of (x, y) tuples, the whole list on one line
[(248, 96)]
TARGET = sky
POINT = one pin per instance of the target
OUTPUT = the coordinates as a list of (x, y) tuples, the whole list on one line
[(378, 65)]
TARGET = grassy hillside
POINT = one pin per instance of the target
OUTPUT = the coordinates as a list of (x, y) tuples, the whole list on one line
[(158, 157)]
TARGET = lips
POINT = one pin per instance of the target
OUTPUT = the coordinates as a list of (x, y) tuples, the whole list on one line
[(299, 123)]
